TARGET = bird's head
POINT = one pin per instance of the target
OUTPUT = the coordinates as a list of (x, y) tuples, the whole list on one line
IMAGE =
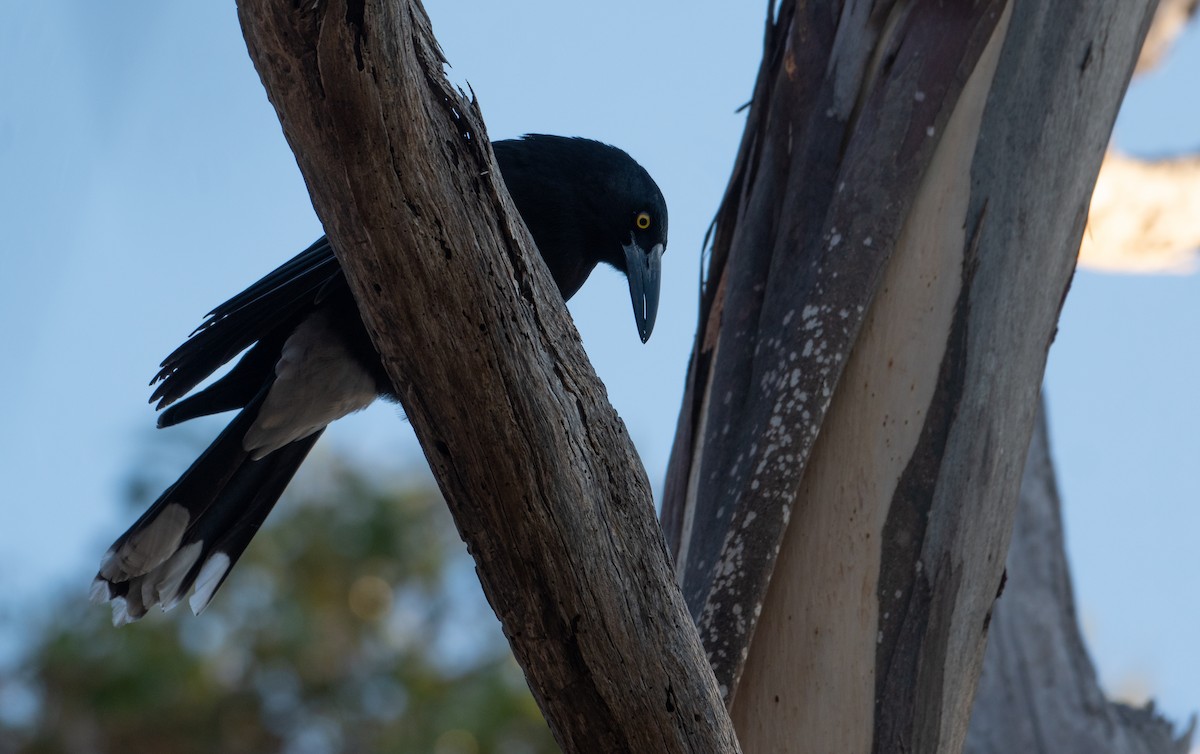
[(586, 202), (643, 239)]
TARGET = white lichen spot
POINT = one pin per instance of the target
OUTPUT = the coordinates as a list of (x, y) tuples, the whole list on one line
[(750, 516), (899, 594), (868, 241), (919, 96), (808, 349), (788, 317), (835, 240), (929, 131)]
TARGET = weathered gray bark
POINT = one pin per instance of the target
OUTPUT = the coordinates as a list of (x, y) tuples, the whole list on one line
[(1039, 693), (536, 467), (888, 268)]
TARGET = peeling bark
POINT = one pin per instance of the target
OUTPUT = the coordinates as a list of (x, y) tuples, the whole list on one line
[(819, 198), (897, 311)]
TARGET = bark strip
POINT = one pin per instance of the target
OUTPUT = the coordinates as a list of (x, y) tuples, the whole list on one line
[(848, 112)]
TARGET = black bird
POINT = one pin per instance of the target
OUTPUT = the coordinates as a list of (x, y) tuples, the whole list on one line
[(308, 361)]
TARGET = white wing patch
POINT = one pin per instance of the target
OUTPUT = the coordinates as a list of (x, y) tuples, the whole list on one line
[(207, 581), (162, 585), (147, 548), (317, 380)]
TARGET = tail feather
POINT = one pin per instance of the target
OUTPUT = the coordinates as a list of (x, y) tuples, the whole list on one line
[(193, 534), (235, 390), (157, 534)]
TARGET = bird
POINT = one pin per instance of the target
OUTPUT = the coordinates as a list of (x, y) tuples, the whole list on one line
[(307, 360)]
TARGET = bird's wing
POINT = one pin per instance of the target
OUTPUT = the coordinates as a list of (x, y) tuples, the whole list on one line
[(257, 313)]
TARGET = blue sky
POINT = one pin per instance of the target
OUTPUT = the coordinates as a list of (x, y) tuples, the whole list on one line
[(144, 179)]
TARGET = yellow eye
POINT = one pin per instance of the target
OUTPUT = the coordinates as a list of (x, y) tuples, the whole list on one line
[(643, 220)]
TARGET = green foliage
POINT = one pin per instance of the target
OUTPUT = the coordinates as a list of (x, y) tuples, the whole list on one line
[(352, 623)]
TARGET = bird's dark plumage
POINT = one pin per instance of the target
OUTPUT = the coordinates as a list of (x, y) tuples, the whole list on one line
[(308, 360)]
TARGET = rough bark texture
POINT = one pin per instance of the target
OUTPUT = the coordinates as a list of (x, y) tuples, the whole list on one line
[(1039, 693), (538, 470), (930, 229)]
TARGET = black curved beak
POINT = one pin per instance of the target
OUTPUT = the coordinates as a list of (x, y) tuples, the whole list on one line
[(643, 270)]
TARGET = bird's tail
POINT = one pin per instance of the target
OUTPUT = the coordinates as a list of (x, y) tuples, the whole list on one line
[(194, 533)]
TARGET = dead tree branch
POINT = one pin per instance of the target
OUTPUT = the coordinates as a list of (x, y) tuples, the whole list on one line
[(1039, 693), (536, 467)]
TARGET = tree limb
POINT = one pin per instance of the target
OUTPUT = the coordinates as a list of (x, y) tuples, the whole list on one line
[(538, 470), (1039, 693)]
